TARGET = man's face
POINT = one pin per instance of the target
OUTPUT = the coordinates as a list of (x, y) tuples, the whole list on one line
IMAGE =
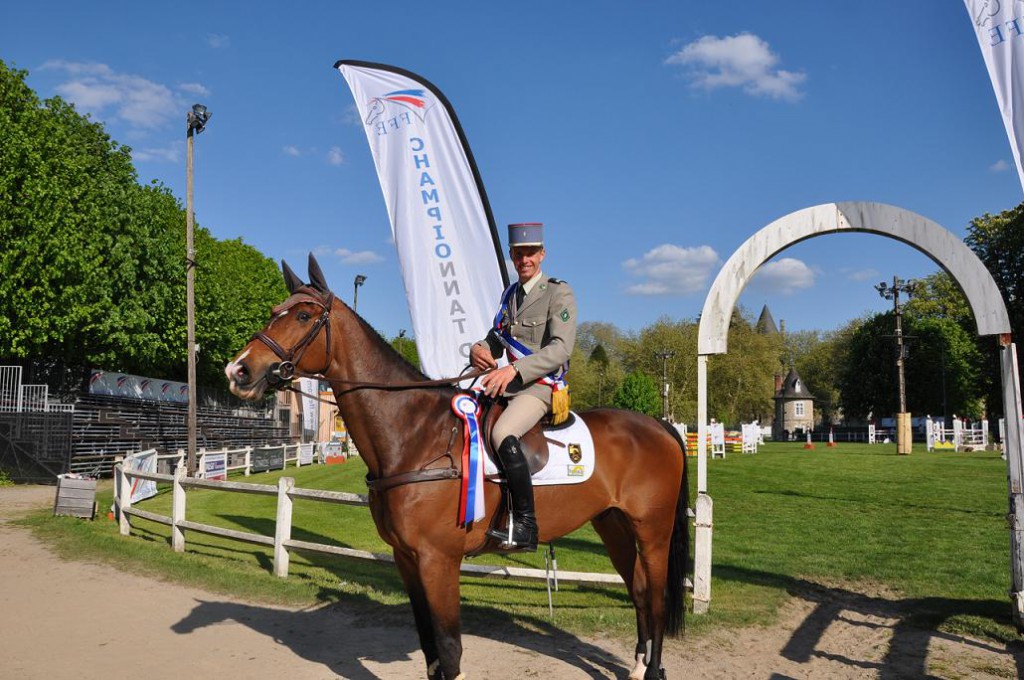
[(526, 260)]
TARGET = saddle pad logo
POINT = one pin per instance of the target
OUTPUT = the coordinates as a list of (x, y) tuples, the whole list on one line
[(575, 453), (575, 470)]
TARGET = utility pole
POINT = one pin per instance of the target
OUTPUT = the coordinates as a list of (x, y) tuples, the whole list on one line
[(904, 440), (359, 280), (196, 122), (664, 355)]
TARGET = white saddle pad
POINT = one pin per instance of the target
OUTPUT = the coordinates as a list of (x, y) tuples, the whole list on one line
[(570, 456)]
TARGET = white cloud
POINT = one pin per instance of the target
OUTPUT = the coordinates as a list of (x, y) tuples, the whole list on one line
[(672, 270), (99, 90), (861, 274), (350, 256), (744, 61), (351, 116), (999, 166), (217, 41), (194, 88), (335, 156), (291, 150), (783, 277), (170, 153)]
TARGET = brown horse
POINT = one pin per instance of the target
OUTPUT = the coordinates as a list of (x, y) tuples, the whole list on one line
[(636, 498)]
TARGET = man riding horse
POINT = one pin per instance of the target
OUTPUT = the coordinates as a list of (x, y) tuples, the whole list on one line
[(536, 328)]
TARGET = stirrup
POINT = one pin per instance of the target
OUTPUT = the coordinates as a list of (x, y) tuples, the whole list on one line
[(508, 542)]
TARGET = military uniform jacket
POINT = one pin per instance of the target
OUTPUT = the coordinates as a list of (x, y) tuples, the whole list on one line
[(545, 323)]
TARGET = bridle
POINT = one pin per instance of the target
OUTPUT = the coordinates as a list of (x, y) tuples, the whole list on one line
[(283, 372), (280, 374)]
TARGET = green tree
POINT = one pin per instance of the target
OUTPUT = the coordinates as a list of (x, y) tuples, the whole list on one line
[(639, 392), (942, 359), (406, 346), (93, 262)]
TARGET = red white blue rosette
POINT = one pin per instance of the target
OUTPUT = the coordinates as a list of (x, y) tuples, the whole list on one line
[(471, 502)]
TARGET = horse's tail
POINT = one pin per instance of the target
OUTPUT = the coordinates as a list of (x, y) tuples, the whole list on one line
[(679, 549)]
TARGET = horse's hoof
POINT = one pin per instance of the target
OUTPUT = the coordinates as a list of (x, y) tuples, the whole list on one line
[(638, 670)]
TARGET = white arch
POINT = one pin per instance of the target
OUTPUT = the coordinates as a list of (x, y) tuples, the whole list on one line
[(946, 250)]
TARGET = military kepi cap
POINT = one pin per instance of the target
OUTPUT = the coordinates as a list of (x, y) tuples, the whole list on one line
[(526, 234)]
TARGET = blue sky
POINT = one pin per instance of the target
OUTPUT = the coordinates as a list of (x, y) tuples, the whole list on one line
[(652, 138)]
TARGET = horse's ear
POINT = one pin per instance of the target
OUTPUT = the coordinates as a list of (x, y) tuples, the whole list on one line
[(291, 279), (316, 276)]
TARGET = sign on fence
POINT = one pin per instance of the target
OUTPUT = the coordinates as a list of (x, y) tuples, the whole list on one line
[(216, 466), (306, 454), (333, 453), (269, 458), (142, 462)]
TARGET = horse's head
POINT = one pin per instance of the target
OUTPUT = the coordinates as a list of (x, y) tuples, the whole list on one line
[(296, 340)]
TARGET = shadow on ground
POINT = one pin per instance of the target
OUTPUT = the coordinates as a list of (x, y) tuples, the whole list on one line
[(913, 624), (343, 636)]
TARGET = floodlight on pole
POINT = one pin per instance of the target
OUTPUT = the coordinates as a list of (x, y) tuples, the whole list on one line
[(196, 120), (360, 280)]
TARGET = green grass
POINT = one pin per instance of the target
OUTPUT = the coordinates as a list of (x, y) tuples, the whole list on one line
[(928, 530)]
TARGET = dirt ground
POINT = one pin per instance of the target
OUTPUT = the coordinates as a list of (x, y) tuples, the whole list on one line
[(75, 620)]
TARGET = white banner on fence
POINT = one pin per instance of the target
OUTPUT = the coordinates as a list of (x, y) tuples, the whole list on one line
[(306, 454), (440, 219), (142, 462), (216, 466), (999, 27)]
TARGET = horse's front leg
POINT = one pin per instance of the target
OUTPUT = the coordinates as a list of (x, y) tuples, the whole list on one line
[(420, 610), (439, 576)]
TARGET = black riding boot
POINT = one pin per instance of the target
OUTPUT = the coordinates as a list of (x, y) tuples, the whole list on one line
[(524, 522)]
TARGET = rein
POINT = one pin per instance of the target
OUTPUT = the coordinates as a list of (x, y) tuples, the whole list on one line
[(357, 385), (282, 374)]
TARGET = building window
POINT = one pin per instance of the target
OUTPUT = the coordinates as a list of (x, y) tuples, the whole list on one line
[(798, 409)]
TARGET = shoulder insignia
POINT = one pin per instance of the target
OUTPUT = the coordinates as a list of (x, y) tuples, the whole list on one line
[(554, 280)]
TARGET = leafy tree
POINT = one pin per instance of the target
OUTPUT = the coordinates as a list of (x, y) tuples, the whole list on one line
[(94, 263), (406, 346), (639, 392), (641, 353), (741, 384), (595, 374), (940, 353)]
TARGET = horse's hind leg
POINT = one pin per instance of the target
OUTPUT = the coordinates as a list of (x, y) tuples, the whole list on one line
[(653, 534), (616, 531)]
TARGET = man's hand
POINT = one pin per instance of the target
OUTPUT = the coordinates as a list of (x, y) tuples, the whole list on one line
[(495, 382), (480, 357)]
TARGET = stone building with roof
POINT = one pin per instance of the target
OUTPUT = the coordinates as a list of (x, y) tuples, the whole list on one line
[(794, 407)]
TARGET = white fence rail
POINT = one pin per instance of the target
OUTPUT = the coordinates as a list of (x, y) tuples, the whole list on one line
[(286, 493)]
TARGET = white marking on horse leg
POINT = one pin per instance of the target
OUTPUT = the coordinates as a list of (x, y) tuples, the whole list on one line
[(638, 671)]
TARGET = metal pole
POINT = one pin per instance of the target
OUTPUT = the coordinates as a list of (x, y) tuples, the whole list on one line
[(899, 344), (190, 283), (358, 281)]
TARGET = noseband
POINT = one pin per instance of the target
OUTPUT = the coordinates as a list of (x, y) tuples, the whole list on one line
[(284, 371)]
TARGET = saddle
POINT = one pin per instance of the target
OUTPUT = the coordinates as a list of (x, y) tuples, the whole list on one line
[(533, 443)]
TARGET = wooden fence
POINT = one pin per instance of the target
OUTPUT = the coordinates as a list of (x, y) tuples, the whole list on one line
[(282, 542)]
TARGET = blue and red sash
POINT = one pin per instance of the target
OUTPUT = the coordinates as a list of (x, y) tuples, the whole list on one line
[(471, 500), (517, 350)]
